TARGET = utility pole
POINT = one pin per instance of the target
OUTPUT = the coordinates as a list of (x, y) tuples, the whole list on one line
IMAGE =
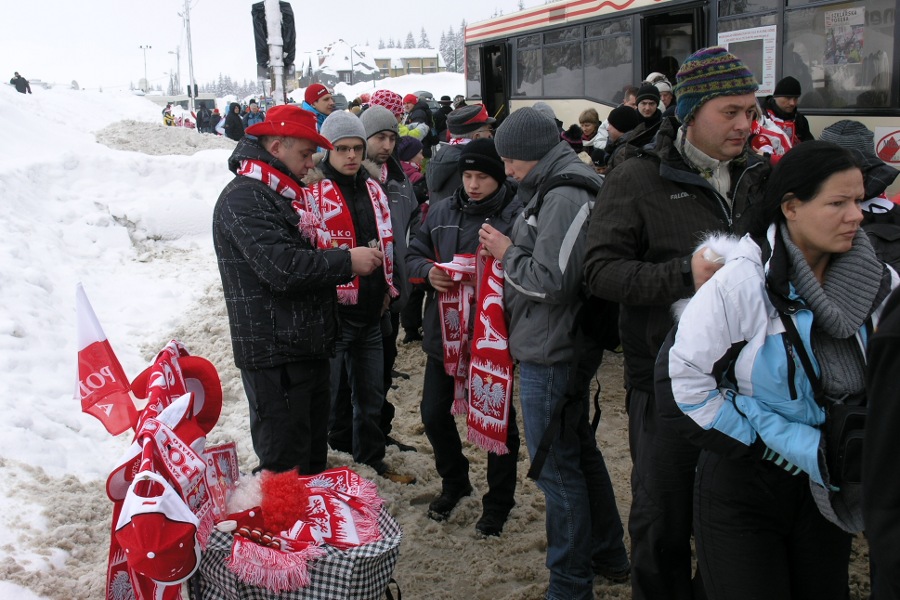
[(177, 54), (145, 47), (276, 48), (187, 26)]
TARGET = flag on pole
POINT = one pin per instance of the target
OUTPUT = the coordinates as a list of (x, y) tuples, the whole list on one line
[(102, 385)]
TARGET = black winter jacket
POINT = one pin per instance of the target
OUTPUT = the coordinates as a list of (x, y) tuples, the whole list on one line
[(279, 289), (447, 231), (234, 125), (650, 215)]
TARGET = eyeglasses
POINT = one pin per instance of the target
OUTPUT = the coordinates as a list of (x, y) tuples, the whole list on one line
[(347, 149)]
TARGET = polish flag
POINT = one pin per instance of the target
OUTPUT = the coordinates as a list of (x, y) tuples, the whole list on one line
[(102, 384)]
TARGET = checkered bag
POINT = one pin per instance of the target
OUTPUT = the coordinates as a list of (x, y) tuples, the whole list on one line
[(360, 573)]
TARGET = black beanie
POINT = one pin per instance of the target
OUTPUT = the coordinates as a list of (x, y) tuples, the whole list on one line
[(648, 91), (480, 155), (624, 118), (787, 87)]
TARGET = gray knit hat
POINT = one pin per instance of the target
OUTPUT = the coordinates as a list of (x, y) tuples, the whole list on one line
[(376, 119), (852, 135), (342, 124), (526, 134), (545, 109)]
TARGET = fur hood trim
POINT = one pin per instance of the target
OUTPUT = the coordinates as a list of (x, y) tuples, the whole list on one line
[(716, 247)]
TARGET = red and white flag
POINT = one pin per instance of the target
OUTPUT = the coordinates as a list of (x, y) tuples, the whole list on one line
[(102, 385)]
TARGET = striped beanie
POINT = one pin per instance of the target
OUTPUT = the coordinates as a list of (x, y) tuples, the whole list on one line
[(709, 73)]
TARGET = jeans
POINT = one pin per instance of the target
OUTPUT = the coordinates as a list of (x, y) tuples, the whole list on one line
[(662, 488), (288, 415), (359, 351), (570, 544), (449, 460), (760, 535)]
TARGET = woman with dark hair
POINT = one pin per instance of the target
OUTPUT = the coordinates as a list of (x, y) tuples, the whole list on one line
[(790, 312)]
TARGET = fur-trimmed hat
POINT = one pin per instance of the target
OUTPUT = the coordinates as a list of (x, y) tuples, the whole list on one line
[(709, 73), (342, 124), (377, 119), (314, 92), (481, 155), (526, 134)]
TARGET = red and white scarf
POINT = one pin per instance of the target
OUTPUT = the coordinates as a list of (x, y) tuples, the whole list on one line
[(311, 225), (336, 215), (491, 364), (455, 307)]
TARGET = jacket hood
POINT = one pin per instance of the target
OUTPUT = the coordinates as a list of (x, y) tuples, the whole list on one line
[(561, 159)]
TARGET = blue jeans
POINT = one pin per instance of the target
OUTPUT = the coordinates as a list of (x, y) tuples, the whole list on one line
[(359, 351), (568, 519)]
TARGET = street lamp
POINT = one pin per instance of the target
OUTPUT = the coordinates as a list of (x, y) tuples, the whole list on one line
[(145, 48)]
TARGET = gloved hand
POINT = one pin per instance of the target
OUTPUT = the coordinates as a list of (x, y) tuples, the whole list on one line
[(780, 461)]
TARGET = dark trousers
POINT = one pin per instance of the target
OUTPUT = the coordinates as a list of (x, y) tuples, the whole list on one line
[(760, 536), (451, 464), (289, 407), (662, 488), (411, 315), (341, 435), (608, 547)]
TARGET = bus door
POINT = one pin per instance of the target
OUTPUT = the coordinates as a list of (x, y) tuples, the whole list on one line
[(495, 79), (667, 38)]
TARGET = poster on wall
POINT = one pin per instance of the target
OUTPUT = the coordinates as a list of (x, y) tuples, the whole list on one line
[(887, 145), (756, 47), (844, 31)]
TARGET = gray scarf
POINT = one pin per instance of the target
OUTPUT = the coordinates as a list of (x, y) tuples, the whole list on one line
[(840, 307)]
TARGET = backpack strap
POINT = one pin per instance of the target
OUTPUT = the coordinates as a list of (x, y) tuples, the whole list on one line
[(563, 179)]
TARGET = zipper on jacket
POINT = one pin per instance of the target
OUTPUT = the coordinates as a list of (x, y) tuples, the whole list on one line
[(791, 366)]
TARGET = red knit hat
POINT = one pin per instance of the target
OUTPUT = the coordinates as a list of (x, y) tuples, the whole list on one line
[(290, 121), (410, 99), (314, 92), (388, 99)]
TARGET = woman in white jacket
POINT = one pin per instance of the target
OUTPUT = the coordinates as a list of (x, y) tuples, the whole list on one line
[(769, 519)]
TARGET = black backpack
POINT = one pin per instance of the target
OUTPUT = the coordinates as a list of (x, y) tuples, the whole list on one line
[(883, 229), (597, 318)]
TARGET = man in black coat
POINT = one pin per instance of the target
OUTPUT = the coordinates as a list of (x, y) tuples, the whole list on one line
[(279, 273), (22, 85)]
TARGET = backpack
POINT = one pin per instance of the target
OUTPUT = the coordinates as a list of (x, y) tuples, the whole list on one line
[(598, 318), (883, 229)]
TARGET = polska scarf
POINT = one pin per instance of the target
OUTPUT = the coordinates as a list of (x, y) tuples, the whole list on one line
[(336, 215), (483, 370), (311, 225), (454, 308), (491, 364)]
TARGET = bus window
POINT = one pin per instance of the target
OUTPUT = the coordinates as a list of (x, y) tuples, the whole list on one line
[(529, 70), (841, 53), (563, 75), (608, 60)]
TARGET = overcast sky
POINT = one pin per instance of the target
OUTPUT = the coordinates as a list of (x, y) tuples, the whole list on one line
[(97, 42)]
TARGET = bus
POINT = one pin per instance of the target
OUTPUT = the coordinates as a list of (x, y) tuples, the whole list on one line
[(576, 54)]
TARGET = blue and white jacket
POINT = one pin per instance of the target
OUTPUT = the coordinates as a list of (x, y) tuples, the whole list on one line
[(727, 377)]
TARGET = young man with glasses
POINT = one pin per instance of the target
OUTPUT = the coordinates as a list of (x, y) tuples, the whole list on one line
[(357, 214)]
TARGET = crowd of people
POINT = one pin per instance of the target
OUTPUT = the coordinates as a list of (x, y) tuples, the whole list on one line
[(483, 240)]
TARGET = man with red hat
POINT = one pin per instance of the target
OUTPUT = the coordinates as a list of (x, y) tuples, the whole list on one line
[(418, 119), (318, 100), (279, 273)]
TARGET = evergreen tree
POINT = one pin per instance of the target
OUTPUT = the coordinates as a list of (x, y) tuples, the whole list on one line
[(391, 43), (521, 4), (460, 46), (448, 50), (410, 41), (424, 42), (381, 44)]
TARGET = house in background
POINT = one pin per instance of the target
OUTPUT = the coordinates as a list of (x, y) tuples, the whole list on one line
[(341, 61)]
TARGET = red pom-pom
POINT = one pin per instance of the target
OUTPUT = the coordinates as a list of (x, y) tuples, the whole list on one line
[(284, 500)]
